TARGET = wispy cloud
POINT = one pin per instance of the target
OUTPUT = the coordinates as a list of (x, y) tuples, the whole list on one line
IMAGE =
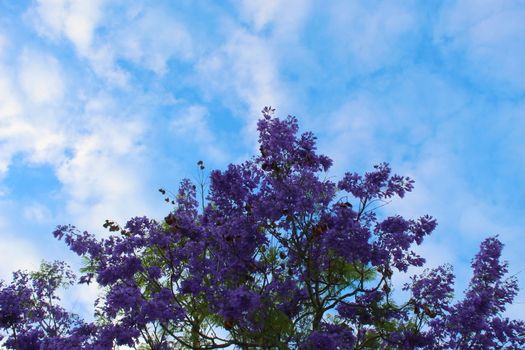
[(244, 66), (371, 35), (40, 77), (191, 124), (488, 37), (151, 37), (37, 212), (77, 22), (284, 19), (74, 20)]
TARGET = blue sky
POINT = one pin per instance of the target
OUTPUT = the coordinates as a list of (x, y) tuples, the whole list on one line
[(103, 102)]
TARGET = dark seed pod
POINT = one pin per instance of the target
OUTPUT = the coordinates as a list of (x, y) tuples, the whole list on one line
[(170, 219), (228, 324), (429, 312)]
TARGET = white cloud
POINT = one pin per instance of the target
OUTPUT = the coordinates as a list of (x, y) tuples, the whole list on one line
[(191, 124), (490, 35), (148, 36), (106, 175), (285, 17), (40, 77), (37, 212), (29, 117), (76, 20), (244, 72), (9, 104), (258, 53), (151, 37), (353, 129), (371, 34), (80, 299), (95, 152), (260, 13), (16, 254), (80, 22), (102, 61), (245, 63)]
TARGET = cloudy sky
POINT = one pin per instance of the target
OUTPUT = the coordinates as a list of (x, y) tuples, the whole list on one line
[(103, 102)]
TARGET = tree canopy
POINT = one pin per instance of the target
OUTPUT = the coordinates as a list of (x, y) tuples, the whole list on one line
[(276, 256)]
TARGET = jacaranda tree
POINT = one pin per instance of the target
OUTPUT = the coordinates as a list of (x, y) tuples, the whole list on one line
[(277, 256)]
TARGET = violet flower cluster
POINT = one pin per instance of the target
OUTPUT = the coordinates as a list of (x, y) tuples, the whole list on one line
[(30, 314), (277, 257)]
